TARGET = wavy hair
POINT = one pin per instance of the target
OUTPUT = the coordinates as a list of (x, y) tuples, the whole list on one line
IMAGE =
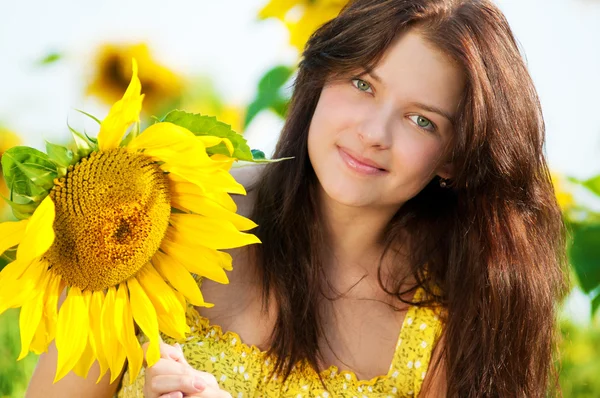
[(489, 250)]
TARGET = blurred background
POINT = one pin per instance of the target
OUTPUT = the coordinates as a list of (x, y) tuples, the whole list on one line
[(235, 59)]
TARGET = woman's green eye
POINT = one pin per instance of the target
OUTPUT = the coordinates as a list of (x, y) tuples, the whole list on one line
[(361, 85), (423, 122)]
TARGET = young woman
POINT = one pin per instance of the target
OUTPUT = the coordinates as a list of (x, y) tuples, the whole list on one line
[(413, 246)]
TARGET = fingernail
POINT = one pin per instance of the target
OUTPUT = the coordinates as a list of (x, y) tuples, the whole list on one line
[(179, 347), (199, 384)]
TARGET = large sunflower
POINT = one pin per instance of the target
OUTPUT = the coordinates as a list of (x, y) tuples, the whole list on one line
[(123, 228)]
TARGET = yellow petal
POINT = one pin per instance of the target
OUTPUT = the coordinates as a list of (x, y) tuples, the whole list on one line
[(276, 8), (39, 234), (211, 140), (171, 315), (145, 316), (71, 331), (126, 333), (162, 135), (47, 327), (217, 180), (179, 277), (15, 293), (31, 315), (11, 272), (39, 343), (122, 114), (11, 234), (198, 260), (95, 331), (114, 351), (83, 366), (209, 208), (210, 232)]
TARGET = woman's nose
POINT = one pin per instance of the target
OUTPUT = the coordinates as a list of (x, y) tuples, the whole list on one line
[(375, 130)]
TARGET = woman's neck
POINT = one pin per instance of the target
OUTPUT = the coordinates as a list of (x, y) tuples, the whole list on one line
[(354, 236)]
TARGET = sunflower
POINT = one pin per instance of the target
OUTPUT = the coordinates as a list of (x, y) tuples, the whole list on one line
[(8, 139), (124, 227), (302, 17), (162, 86), (565, 198)]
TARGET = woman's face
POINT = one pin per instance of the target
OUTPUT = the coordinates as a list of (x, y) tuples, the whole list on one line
[(377, 139)]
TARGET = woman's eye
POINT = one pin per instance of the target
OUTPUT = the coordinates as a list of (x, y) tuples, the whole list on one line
[(362, 85), (423, 122)]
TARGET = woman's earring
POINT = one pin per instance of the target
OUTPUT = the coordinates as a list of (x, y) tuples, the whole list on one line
[(443, 182)]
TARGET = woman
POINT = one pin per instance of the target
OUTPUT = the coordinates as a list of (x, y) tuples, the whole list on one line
[(413, 246)]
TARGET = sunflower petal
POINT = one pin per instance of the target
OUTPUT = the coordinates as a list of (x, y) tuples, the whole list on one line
[(115, 354), (211, 232), (145, 316), (11, 234), (162, 135), (171, 315), (126, 333), (95, 331), (39, 234), (179, 277), (83, 366), (217, 180), (31, 316), (209, 208), (18, 291), (198, 260), (122, 114), (71, 331)]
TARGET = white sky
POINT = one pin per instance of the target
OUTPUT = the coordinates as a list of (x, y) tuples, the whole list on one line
[(561, 40)]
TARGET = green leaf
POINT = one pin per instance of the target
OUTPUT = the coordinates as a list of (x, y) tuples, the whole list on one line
[(595, 304), (50, 58), (28, 172), (584, 254), (83, 145), (270, 93), (258, 154), (593, 184), (209, 125), (62, 156), (23, 211)]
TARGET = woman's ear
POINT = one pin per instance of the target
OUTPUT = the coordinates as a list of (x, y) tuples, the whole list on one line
[(446, 171)]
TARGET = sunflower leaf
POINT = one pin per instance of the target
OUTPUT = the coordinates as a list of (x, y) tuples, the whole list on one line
[(84, 146), (28, 172), (22, 211), (62, 156), (209, 125)]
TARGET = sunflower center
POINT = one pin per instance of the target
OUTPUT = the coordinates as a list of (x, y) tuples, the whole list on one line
[(112, 212)]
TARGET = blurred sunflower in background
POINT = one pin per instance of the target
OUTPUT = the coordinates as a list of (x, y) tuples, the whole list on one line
[(302, 17), (162, 86), (564, 197), (122, 224), (8, 139)]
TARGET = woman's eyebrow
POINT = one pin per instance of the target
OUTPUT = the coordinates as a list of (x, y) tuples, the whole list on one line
[(434, 109)]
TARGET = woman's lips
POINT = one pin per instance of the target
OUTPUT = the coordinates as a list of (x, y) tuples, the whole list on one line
[(359, 166)]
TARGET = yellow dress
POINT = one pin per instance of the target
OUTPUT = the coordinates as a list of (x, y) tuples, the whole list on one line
[(244, 370)]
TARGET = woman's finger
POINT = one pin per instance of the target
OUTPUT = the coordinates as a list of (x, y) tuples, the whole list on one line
[(176, 394), (166, 384), (209, 392)]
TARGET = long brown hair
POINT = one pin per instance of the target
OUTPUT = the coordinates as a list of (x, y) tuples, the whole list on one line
[(489, 250)]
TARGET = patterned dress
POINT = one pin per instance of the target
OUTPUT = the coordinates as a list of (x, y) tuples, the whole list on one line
[(244, 371)]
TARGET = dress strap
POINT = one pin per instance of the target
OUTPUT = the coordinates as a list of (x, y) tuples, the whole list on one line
[(420, 333)]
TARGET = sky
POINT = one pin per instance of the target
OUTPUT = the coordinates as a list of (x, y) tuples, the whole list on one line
[(224, 40)]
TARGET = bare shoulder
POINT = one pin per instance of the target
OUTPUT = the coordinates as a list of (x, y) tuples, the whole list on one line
[(435, 385), (248, 176)]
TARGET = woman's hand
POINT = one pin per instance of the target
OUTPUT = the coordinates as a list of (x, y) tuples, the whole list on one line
[(173, 377)]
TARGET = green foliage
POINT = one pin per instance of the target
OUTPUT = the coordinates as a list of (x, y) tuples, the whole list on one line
[(580, 361), (14, 376), (270, 93), (30, 175)]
